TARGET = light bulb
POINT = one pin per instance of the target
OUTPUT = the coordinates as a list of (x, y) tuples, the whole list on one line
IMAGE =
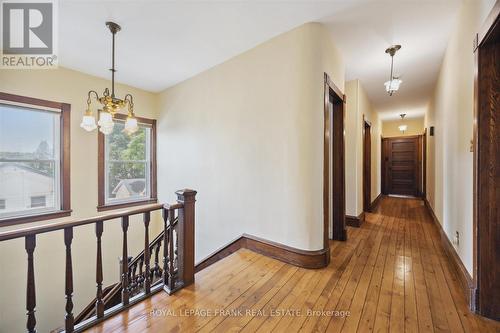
[(88, 123), (131, 125), (403, 128)]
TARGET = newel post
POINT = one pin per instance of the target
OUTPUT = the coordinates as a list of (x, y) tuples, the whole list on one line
[(186, 234)]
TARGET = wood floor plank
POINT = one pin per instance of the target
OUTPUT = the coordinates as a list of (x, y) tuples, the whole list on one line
[(422, 300), (396, 322), (323, 322), (392, 274), (383, 313), (253, 305), (272, 304), (367, 319), (351, 322), (286, 305), (339, 259), (454, 322), (340, 266), (358, 280), (221, 298), (410, 307)]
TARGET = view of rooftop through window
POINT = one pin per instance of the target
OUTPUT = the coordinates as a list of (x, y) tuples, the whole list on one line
[(29, 160), (127, 164)]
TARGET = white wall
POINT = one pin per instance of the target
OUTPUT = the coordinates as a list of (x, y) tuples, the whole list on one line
[(248, 135), (449, 167), (71, 87), (390, 128), (357, 106)]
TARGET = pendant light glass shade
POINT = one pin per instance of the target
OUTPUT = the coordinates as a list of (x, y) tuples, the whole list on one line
[(393, 85), (403, 128), (88, 121), (105, 122), (131, 125)]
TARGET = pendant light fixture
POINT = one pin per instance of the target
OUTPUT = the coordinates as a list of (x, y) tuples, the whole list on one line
[(109, 103), (403, 127), (394, 82)]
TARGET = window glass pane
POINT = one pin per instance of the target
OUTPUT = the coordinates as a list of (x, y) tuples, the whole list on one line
[(29, 160), (27, 133), (127, 164), (38, 201), (127, 180), (124, 147)]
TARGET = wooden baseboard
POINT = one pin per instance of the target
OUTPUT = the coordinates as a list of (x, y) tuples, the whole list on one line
[(376, 202), (464, 278), (287, 254), (221, 253), (355, 221)]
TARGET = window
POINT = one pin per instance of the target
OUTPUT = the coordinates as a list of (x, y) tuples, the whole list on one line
[(34, 159), (2, 204), (38, 201), (127, 165)]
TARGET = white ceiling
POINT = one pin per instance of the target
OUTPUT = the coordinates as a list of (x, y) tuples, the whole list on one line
[(363, 32), (163, 43)]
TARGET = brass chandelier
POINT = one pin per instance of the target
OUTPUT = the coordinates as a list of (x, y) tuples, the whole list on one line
[(110, 104)]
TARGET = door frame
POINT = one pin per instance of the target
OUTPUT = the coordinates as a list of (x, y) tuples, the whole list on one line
[(367, 162), (424, 164), (333, 139), (482, 298)]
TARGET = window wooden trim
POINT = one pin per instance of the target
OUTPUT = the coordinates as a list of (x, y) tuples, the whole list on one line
[(101, 200), (65, 159)]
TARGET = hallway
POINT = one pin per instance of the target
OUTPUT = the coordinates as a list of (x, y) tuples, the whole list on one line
[(391, 275)]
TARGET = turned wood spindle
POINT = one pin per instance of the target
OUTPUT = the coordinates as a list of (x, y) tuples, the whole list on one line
[(125, 291), (171, 216), (99, 305), (30, 243), (147, 279), (165, 247), (69, 320)]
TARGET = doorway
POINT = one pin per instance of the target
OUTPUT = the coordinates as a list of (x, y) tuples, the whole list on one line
[(402, 165), (333, 164), (486, 216), (367, 165)]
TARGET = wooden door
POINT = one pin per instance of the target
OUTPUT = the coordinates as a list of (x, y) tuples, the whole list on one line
[(487, 169), (400, 165)]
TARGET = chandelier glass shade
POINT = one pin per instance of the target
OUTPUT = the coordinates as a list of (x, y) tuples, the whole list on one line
[(392, 85), (110, 105)]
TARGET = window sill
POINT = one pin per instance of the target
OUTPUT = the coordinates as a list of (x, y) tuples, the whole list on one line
[(33, 218), (126, 204)]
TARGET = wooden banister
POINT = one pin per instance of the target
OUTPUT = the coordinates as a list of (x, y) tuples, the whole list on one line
[(18, 233), (136, 283)]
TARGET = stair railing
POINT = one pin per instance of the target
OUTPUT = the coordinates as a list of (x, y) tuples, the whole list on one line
[(177, 270)]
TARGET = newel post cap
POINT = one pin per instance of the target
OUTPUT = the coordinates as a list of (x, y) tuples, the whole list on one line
[(186, 195)]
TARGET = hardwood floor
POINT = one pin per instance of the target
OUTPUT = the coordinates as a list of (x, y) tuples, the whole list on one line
[(391, 275)]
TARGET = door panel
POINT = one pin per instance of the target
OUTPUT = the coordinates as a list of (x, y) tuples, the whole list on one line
[(400, 166)]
